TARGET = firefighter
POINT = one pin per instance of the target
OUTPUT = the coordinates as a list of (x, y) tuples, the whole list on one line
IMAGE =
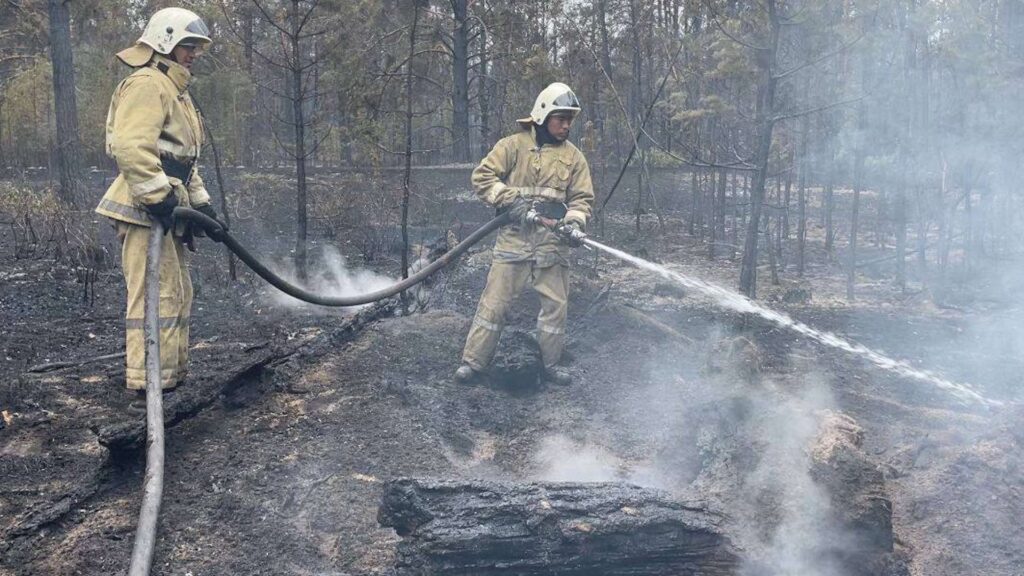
[(154, 133), (537, 164)]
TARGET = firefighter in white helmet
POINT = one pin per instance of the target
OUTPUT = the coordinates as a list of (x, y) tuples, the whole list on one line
[(537, 164), (154, 133)]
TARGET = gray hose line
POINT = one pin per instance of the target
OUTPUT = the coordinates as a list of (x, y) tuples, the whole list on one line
[(145, 534), (212, 227)]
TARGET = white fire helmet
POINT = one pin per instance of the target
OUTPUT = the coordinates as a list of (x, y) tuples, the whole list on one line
[(557, 97), (166, 29)]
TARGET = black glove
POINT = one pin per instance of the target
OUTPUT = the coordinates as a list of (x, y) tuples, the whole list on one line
[(518, 210), (208, 210), (188, 237), (163, 211)]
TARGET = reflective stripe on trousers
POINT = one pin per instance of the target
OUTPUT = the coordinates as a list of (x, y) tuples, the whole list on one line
[(504, 282), (175, 306)]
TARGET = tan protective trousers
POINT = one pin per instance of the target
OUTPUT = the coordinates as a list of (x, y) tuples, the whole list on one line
[(175, 306), (504, 282)]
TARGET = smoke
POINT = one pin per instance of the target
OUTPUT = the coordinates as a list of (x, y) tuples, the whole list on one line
[(742, 442), (784, 517), (330, 275), (562, 459)]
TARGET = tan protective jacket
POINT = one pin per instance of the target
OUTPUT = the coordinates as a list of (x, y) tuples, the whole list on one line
[(151, 117), (554, 172)]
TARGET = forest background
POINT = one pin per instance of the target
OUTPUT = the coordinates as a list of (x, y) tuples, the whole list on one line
[(884, 124)]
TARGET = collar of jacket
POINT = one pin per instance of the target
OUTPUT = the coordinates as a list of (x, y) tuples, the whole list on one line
[(533, 138), (176, 72)]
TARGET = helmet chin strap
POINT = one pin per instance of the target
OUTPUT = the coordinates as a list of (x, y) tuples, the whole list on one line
[(543, 135)]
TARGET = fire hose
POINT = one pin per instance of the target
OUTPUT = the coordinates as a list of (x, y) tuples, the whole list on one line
[(145, 535), (212, 227)]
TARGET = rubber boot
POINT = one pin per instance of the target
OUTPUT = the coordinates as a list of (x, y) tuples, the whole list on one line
[(465, 374), (558, 375), (138, 404)]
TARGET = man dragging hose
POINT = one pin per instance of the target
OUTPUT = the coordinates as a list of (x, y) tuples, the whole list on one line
[(536, 165)]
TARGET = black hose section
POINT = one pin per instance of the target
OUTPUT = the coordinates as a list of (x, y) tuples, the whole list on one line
[(153, 486), (213, 228)]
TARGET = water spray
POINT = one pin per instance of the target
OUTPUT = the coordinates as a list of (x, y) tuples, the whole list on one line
[(739, 303)]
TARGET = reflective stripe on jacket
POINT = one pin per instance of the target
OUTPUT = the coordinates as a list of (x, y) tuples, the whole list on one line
[(553, 172), (152, 116)]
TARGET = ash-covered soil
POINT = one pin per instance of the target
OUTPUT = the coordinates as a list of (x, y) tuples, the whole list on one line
[(295, 418)]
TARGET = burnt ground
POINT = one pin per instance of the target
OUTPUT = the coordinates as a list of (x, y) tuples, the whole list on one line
[(294, 419)]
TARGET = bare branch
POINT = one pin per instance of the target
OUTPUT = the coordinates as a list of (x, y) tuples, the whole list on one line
[(817, 109), (718, 24), (839, 50), (270, 19)]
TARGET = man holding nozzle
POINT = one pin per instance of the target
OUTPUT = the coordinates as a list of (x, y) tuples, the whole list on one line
[(154, 133), (543, 181)]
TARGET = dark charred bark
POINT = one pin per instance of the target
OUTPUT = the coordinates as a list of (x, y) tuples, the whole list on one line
[(801, 226), (248, 38), (765, 125), (407, 174), (858, 177), (298, 112), (67, 145), (485, 93), (460, 81), (484, 528)]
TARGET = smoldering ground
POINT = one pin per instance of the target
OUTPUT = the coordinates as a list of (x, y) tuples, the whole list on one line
[(709, 423), (329, 274)]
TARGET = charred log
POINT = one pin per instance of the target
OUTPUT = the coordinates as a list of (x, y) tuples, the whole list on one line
[(484, 528), (859, 502)]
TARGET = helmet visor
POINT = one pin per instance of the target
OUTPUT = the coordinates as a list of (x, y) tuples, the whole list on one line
[(198, 27), (567, 100)]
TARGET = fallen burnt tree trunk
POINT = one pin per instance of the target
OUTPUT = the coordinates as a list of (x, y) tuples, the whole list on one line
[(484, 528), (129, 433)]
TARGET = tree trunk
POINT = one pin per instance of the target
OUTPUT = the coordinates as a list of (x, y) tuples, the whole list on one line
[(68, 149), (485, 529), (606, 62), (786, 199), (773, 262), (3, 151), (248, 32), (851, 270), (765, 124), (968, 243), (694, 202), (225, 216), (460, 82), (734, 238), (485, 84), (801, 226), (713, 218), (901, 223), (945, 207), (636, 100), (407, 174), (298, 112), (720, 215), (830, 202)]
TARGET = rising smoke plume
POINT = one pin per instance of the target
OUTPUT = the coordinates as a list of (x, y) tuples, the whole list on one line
[(330, 275)]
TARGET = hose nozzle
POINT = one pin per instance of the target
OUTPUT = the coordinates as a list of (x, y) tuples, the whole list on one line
[(571, 235)]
